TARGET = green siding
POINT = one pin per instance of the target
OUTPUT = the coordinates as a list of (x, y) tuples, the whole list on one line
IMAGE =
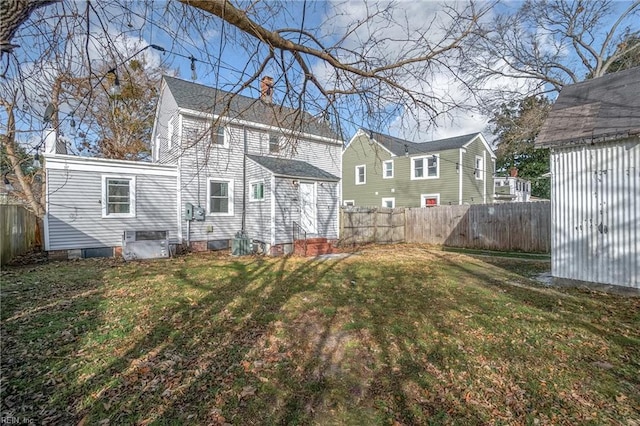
[(406, 191)]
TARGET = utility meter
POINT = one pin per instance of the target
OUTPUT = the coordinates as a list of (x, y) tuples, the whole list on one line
[(198, 213)]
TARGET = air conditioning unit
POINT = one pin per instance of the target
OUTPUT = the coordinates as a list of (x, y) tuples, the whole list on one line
[(145, 244)]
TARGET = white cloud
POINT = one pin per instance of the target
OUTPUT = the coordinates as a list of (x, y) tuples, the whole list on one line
[(404, 30)]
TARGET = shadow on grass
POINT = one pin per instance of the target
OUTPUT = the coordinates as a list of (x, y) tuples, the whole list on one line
[(208, 340)]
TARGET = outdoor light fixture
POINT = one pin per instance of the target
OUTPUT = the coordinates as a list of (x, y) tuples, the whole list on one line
[(406, 150), (457, 167), (7, 184), (36, 160), (194, 76), (115, 88), (49, 113)]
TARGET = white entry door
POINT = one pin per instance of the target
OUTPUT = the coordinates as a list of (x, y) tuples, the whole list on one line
[(308, 207)]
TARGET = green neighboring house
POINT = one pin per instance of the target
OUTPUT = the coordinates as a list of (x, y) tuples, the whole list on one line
[(381, 170)]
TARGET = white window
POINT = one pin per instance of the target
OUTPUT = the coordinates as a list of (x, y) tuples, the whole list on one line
[(389, 202), (274, 142), (429, 200), (220, 197), (361, 175), (118, 196), (171, 130), (256, 191), (387, 169), (219, 136), (349, 203), (479, 171), (427, 167), (202, 130)]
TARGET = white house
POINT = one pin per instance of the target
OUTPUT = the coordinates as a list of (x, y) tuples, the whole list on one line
[(223, 166), (593, 131), (512, 189)]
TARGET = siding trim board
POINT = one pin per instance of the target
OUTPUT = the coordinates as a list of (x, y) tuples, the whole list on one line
[(104, 165)]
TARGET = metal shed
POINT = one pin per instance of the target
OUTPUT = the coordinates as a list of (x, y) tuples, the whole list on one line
[(593, 131)]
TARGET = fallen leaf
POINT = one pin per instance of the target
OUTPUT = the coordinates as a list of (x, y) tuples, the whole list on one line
[(247, 391)]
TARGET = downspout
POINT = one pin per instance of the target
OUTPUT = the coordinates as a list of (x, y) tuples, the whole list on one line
[(244, 178), (460, 177), (484, 180)]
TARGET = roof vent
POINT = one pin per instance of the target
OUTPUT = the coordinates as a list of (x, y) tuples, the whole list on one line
[(266, 89)]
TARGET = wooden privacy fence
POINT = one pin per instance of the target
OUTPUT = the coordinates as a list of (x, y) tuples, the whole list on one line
[(507, 227), (360, 225), (19, 231)]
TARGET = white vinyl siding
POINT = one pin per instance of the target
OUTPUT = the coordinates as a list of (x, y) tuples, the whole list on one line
[(75, 202)]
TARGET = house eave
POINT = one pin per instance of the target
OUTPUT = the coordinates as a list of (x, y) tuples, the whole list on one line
[(255, 125), (609, 137)]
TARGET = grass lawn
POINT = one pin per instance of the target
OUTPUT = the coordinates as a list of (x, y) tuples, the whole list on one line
[(401, 334)]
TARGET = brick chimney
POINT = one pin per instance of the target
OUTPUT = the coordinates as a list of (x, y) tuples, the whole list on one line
[(513, 172), (266, 89)]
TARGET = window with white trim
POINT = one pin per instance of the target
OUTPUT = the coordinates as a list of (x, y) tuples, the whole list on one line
[(220, 197), (389, 202), (118, 196), (171, 130), (427, 167), (274, 142), (199, 129), (219, 136), (348, 203), (256, 190), (361, 174), (429, 200), (387, 169), (479, 171)]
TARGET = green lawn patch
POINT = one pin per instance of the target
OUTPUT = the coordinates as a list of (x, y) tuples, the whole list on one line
[(395, 334)]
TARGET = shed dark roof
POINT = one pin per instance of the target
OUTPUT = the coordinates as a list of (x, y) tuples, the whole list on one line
[(209, 100), (397, 145), (595, 110), (292, 168)]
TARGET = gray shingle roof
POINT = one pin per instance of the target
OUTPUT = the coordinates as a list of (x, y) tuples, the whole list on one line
[(594, 110), (292, 168), (397, 145), (206, 99)]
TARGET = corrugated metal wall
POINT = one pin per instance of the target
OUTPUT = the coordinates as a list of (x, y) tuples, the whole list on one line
[(596, 212)]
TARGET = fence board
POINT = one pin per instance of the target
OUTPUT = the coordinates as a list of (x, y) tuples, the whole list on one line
[(510, 227), (18, 230)]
